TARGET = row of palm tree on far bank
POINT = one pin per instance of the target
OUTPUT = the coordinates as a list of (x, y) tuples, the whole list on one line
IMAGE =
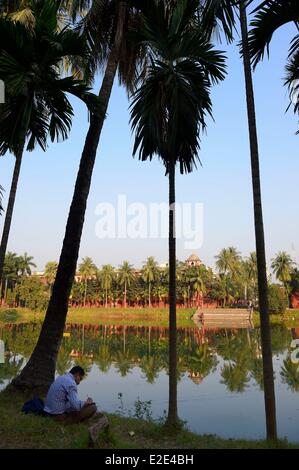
[(234, 283), (197, 64)]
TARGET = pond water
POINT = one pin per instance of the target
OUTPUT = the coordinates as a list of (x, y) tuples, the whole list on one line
[(220, 373)]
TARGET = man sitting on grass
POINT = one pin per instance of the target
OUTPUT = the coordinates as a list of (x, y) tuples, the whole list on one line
[(62, 403)]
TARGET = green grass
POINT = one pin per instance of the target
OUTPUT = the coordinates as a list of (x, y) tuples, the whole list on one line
[(135, 316), (289, 319), (111, 316), (34, 432)]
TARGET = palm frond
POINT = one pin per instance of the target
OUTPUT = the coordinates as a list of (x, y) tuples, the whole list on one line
[(36, 102), (24, 16), (217, 16), (169, 110), (292, 81), (270, 15)]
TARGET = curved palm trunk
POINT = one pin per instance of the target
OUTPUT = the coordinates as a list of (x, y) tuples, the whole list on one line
[(40, 370), (269, 391), (172, 418), (10, 206)]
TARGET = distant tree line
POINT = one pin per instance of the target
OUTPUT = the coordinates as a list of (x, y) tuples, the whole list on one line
[(233, 284)]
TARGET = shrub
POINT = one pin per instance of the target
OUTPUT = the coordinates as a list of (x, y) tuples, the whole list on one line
[(278, 301), (9, 315)]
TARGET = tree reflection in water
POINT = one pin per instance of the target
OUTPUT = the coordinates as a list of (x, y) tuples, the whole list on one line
[(235, 352)]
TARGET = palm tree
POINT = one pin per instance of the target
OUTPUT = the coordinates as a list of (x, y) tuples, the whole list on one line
[(270, 15), (10, 271), (88, 269), (282, 266), (168, 113), (150, 275), (25, 264), (197, 282), (109, 25), (224, 12), (126, 277), (36, 103), (259, 236), (249, 274), (228, 261), (106, 278), (50, 272)]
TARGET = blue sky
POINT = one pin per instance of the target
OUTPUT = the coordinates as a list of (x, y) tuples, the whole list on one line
[(222, 184)]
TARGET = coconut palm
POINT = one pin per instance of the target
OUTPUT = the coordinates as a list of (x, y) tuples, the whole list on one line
[(197, 280), (87, 269), (271, 15), (50, 272), (168, 112), (106, 276), (228, 261), (249, 275), (126, 277), (108, 24), (25, 264), (150, 273), (283, 266), (36, 104)]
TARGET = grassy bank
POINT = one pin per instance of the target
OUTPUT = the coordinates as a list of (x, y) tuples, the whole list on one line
[(290, 319), (136, 316), (34, 432), (110, 316)]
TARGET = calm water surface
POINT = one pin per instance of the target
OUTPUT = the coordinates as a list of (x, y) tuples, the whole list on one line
[(220, 373)]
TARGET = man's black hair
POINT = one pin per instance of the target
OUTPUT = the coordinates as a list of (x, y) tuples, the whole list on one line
[(77, 370)]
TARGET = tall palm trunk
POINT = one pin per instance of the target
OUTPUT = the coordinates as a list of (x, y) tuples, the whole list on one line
[(125, 299), (172, 418), (269, 391), (10, 206), (149, 295), (85, 292), (40, 369), (5, 291)]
